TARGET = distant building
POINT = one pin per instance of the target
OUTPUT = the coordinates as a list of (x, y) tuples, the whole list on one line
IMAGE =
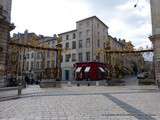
[(5, 28), (114, 44), (45, 60), (126, 62), (32, 62)]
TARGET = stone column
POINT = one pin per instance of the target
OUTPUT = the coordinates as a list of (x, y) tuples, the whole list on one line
[(155, 38), (3, 46), (156, 46), (5, 29)]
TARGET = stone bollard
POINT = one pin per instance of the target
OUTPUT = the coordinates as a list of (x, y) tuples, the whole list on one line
[(19, 89), (97, 83), (69, 84), (158, 83)]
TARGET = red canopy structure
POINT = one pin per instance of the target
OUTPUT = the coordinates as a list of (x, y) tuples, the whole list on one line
[(91, 71)]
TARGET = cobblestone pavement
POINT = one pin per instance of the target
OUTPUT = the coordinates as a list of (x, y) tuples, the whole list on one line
[(84, 103)]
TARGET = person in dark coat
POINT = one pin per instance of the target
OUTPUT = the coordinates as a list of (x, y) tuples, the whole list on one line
[(27, 79), (135, 69)]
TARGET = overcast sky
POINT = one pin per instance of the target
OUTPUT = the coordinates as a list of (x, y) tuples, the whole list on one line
[(48, 17)]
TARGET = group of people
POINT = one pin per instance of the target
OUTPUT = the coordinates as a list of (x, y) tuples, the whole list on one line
[(30, 81), (14, 81)]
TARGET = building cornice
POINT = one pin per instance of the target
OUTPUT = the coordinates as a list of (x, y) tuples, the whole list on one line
[(7, 24), (154, 37), (68, 32), (92, 18), (84, 20)]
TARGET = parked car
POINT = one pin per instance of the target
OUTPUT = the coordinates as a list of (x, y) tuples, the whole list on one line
[(145, 79), (142, 75)]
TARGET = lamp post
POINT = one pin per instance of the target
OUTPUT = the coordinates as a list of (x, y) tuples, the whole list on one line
[(23, 65)]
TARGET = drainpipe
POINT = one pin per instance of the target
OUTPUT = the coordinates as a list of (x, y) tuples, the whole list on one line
[(92, 41)]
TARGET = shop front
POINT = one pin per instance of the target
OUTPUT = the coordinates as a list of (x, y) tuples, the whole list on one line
[(91, 71)]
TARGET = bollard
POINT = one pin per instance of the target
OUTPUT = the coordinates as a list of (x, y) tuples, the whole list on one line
[(69, 84), (97, 83), (88, 84), (78, 84), (19, 89), (158, 85)]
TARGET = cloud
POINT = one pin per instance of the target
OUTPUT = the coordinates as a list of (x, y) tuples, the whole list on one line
[(47, 16), (55, 16), (142, 9), (134, 23)]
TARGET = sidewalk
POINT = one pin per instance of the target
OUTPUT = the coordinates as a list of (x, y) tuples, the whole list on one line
[(32, 90), (84, 103)]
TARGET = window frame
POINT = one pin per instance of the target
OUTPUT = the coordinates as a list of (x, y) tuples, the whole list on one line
[(74, 45), (67, 57), (88, 43), (67, 45), (80, 43), (74, 36), (80, 54), (88, 56), (73, 58)]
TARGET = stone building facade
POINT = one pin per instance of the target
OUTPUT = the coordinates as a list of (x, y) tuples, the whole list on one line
[(31, 62), (45, 61), (5, 28), (82, 44), (114, 44)]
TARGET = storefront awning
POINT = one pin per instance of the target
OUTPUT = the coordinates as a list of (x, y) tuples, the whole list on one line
[(78, 69), (87, 69), (101, 69)]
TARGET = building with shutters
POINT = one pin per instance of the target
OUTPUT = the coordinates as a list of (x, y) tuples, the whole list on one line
[(81, 44)]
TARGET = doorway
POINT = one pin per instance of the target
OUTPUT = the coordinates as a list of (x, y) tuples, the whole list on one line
[(67, 72)]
